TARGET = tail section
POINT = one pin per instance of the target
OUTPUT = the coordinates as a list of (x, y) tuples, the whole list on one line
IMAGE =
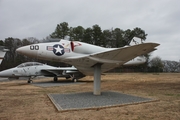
[(2, 53)]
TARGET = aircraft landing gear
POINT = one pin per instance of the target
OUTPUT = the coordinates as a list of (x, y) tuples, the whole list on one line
[(74, 79), (29, 81), (55, 79)]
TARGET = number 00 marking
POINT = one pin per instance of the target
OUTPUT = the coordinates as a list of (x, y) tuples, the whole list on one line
[(36, 47)]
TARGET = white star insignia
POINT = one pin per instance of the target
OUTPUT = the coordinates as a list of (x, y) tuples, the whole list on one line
[(58, 49)]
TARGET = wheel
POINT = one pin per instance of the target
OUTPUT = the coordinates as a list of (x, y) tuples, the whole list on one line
[(29, 81), (75, 80)]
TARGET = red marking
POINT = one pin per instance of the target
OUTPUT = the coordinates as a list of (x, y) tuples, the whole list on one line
[(77, 44), (50, 48), (67, 50), (72, 46)]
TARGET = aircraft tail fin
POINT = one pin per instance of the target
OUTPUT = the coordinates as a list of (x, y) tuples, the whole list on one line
[(2, 53)]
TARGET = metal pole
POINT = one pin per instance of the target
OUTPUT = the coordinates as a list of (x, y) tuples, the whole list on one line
[(97, 79)]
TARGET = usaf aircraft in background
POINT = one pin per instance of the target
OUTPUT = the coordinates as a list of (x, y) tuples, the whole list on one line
[(31, 70), (88, 59)]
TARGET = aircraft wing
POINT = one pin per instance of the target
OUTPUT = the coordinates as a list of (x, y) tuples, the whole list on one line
[(58, 71), (111, 58)]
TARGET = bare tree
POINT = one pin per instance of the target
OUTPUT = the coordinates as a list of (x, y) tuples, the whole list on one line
[(171, 66)]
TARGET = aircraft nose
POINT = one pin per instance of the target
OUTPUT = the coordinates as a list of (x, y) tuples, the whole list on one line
[(27, 50), (5, 73)]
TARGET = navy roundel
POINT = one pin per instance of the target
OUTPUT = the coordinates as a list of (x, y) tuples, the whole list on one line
[(58, 49)]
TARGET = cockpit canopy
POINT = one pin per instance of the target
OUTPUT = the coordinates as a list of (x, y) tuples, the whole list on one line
[(29, 64)]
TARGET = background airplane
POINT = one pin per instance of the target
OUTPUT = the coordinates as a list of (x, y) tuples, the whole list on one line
[(2, 53), (34, 69), (88, 59)]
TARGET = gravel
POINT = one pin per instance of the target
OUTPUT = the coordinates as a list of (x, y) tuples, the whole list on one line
[(86, 100)]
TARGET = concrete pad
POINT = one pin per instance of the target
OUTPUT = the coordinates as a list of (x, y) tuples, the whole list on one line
[(57, 83), (86, 100)]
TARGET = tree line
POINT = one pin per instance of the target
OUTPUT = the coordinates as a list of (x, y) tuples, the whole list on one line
[(108, 38), (95, 35)]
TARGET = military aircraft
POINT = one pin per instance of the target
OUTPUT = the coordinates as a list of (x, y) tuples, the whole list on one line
[(88, 59), (2, 53), (31, 70)]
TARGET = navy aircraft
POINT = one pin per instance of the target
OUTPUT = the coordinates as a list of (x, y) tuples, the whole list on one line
[(31, 70), (88, 59)]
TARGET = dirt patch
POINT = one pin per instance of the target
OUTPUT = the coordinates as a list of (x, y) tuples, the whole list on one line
[(19, 100)]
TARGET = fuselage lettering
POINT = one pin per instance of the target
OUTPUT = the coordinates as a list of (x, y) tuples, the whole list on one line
[(34, 47)]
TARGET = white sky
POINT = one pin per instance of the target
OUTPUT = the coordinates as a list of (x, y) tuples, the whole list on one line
[(38, 18)]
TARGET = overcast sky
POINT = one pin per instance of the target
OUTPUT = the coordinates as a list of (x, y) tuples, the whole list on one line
[(38, 18)]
